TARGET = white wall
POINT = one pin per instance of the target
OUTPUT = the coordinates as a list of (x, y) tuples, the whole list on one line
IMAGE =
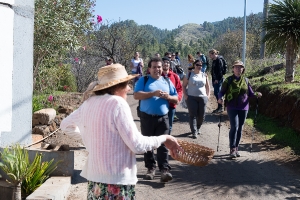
[(16, 63)]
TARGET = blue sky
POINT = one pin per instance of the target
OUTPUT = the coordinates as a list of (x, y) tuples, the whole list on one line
[(169, 14)]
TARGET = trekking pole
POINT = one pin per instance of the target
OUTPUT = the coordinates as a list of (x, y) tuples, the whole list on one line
[(219, 125), (254, 124)]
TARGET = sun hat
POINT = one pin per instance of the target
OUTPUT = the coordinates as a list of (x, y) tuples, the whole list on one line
[(111, 75), (238, 62)]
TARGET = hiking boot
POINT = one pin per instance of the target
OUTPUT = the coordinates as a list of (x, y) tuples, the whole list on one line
[(165, 176), (194, 135), (237, 152), (175, 118), (232, 153), (218, 110), (150, 174)]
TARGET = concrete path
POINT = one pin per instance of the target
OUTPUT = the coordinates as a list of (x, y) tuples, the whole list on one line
[(252, 176)]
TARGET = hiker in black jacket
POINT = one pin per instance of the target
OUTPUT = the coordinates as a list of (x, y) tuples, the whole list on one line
[(217, 76)]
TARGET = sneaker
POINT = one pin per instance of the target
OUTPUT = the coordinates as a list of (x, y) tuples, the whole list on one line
[(237, 153), (165, 176), (232, 153), (218, 110), (194, 136), (175, 118), (198, 131), (150, 174)]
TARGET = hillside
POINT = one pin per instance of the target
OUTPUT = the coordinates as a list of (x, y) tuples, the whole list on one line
[(189, 32)]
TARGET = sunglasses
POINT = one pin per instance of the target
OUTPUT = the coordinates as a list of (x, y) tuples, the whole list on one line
[(198, 65)]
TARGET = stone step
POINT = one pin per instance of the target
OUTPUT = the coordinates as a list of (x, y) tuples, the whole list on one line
[(55, 188)]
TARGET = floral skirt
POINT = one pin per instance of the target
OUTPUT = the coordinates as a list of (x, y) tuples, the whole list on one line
[(99, 191)]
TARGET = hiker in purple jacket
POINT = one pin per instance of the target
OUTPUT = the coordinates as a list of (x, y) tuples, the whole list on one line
[(237, 91)]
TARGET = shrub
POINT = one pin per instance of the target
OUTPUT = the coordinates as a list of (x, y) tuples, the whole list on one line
[(22, 173)]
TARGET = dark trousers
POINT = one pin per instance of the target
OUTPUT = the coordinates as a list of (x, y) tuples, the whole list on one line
[(217, 87), (237, 119), (171, 114), (196, 107), (156, 126)]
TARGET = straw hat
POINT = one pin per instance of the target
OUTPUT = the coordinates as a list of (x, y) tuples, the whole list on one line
[(111, 75), (239, 63)]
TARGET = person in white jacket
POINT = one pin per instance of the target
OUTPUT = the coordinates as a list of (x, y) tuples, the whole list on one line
[(104, 122)]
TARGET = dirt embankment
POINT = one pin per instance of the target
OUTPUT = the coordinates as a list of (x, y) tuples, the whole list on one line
[(280, 106)]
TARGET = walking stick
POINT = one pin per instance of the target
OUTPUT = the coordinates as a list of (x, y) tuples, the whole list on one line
[(219, 125), (254, 124)]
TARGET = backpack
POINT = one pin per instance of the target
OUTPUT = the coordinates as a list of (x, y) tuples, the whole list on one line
[(138, 107), (225, 66)]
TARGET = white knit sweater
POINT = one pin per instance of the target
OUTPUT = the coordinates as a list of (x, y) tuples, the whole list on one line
[(106, 126)]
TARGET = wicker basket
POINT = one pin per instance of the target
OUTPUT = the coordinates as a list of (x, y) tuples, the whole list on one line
[(194, 154)]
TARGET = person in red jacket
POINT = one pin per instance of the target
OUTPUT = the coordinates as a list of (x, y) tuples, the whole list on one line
[(174, 78)]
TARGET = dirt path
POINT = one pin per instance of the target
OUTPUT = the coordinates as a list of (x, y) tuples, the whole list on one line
[(266, 173)]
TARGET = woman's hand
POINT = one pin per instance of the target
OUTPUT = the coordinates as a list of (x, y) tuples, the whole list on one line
[(220, 101), (172, 144)]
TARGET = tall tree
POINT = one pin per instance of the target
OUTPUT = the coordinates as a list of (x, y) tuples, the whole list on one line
[(283, 32), (58, 27), (119, 40)]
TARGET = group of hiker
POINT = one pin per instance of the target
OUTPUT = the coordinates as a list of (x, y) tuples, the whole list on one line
[(105, 123)]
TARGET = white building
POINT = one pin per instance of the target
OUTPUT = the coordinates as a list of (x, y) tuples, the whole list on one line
[(16, 65)]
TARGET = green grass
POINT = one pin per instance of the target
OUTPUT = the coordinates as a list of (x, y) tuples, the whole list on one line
[(276, 82), (274, 132)]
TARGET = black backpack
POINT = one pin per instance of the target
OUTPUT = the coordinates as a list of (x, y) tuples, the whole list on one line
[(225, 66)]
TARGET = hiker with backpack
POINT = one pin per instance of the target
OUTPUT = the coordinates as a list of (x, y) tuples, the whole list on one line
[(155, 92), (218, 70), (196, 91), (237, 90), (176, 67), (178, 86), (204, 59)]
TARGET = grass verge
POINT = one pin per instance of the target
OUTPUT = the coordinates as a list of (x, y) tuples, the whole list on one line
[(273, 131)]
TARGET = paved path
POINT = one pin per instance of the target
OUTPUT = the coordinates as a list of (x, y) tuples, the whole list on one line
[(252, 176)]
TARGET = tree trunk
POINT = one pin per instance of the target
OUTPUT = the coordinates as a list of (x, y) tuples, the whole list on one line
[(17, 192), (291, 60), (36, 68)]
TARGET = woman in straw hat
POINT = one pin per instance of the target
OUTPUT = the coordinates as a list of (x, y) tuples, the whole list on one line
[(105, 124), (237, 91)]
